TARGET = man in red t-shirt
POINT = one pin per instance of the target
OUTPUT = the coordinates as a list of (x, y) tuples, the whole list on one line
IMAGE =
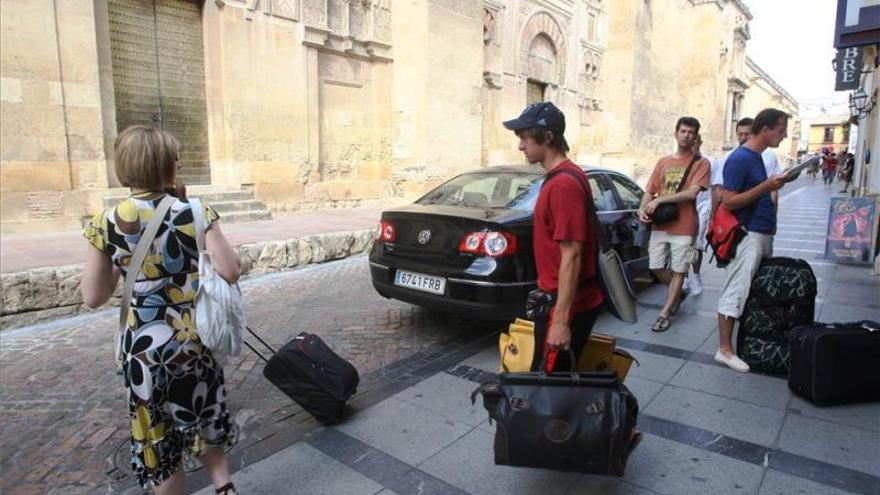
[(564, 237)]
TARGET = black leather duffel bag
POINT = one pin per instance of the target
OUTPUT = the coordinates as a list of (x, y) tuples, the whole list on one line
[(580, 422)]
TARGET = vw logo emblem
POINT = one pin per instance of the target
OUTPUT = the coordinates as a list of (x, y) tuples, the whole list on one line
[(424, 237)]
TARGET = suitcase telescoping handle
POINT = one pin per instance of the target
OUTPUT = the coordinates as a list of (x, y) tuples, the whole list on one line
[(252, 332)]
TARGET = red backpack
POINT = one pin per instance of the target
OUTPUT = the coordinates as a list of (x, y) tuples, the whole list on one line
[(724, 234)]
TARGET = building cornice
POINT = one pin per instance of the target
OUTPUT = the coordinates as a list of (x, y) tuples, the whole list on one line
[(720, 4), (775, 85), (325, 40), (592, 46), (564, 8), (495, 5)]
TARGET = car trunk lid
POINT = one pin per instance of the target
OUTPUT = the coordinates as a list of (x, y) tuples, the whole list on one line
[(436, 231)]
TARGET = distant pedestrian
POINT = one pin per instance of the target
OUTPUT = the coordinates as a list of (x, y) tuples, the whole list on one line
[(671, 248), (564, 238), (849, 164), (829, 169), (747, 192), (175, 389)]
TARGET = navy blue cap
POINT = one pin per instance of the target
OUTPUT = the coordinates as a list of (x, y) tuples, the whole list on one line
[(544, 114)]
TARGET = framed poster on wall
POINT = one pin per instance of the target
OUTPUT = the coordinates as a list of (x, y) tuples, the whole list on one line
[(852, 230)]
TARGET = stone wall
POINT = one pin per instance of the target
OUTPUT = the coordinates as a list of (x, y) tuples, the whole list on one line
[(51, 131), (42, 294), (337, 103)]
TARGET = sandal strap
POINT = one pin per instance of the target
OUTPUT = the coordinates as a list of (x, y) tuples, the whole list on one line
[(224, 490)]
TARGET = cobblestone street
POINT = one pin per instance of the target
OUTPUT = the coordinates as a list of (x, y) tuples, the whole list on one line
[(707, 430), (62, 405)]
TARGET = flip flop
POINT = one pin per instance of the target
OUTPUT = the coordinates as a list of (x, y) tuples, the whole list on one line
[(661, 325)]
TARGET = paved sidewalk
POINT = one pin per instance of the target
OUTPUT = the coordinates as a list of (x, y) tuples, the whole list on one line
[(24, 251), (707, 429)]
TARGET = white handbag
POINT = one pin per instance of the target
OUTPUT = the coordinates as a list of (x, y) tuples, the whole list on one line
[(219, 307)]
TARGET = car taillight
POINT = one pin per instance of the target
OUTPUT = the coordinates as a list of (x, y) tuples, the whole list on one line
[(385, 232), (493, 244)]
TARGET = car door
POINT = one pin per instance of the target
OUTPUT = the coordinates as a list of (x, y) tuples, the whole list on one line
[(637, 234), (606, 207)]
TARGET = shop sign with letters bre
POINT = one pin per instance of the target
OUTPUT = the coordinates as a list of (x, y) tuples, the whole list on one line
[(852, 230), (849, 67)]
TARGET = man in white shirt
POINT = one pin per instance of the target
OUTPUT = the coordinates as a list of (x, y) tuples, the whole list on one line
[(771, 163), (708, 200), (704, 208)]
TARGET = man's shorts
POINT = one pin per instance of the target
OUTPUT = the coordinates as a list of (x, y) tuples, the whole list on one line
[(740, 272), (675, 252), (703, 214)]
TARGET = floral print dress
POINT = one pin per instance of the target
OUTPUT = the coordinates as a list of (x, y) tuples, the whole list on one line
[(176, 393)]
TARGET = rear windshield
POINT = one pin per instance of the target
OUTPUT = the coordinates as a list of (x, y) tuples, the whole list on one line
[(487, 190)]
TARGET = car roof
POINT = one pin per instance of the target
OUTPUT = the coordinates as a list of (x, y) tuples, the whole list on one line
[(530, 169)]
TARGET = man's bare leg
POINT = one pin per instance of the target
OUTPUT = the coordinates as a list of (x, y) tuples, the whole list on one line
[(673, 293), (664, 275), (725, 334)]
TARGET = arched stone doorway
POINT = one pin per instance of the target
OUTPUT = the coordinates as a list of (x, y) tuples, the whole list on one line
[(543, 56), (158, 67)]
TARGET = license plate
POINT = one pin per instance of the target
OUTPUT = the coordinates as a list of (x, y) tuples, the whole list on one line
[(420, 281)]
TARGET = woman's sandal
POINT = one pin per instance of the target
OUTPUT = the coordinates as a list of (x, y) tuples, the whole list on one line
[(661, 325), (227, 489)]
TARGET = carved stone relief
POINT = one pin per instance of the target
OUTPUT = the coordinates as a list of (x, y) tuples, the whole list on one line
[(488, 27), (315, 12), (285, 9), (361, 28), (492, 24)]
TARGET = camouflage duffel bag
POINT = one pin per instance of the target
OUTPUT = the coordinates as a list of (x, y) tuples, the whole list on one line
[(782, 296)]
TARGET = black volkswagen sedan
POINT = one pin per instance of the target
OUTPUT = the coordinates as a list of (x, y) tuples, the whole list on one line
[(466, 246)]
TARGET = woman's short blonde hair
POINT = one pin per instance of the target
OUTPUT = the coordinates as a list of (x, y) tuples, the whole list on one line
[(146, 157)]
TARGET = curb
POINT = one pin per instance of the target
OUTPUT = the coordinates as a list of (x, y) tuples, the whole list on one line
[(42, 294)]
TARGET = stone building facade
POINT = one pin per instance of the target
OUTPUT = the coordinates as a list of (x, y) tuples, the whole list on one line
[(326, 103), (829, 132)]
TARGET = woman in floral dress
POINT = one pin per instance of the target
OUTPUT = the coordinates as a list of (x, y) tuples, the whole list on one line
[(176, 393)]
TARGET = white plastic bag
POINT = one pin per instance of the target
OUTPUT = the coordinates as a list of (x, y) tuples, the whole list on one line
[(219, 307), (219, 310)]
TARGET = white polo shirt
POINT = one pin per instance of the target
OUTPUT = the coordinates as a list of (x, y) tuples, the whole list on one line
[(771, 165), (703, 198)]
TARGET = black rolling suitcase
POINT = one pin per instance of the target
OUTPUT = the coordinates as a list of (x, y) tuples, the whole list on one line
[(312, 375), (836, 363), (782, 296)]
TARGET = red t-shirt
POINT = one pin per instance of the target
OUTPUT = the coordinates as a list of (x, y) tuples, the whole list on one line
[(561, 215), (830, 163)]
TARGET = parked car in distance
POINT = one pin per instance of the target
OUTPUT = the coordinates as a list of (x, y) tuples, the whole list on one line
[(466, 246)]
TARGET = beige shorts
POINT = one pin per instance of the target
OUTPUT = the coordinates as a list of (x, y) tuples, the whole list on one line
[(740, 272), (675, 252)]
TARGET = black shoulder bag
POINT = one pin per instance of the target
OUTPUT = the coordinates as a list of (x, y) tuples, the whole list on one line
[(668, 212)]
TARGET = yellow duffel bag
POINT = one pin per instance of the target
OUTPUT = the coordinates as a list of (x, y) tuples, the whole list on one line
[(517, 347)]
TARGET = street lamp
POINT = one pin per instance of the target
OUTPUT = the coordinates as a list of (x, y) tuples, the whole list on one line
[(859, 103)]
